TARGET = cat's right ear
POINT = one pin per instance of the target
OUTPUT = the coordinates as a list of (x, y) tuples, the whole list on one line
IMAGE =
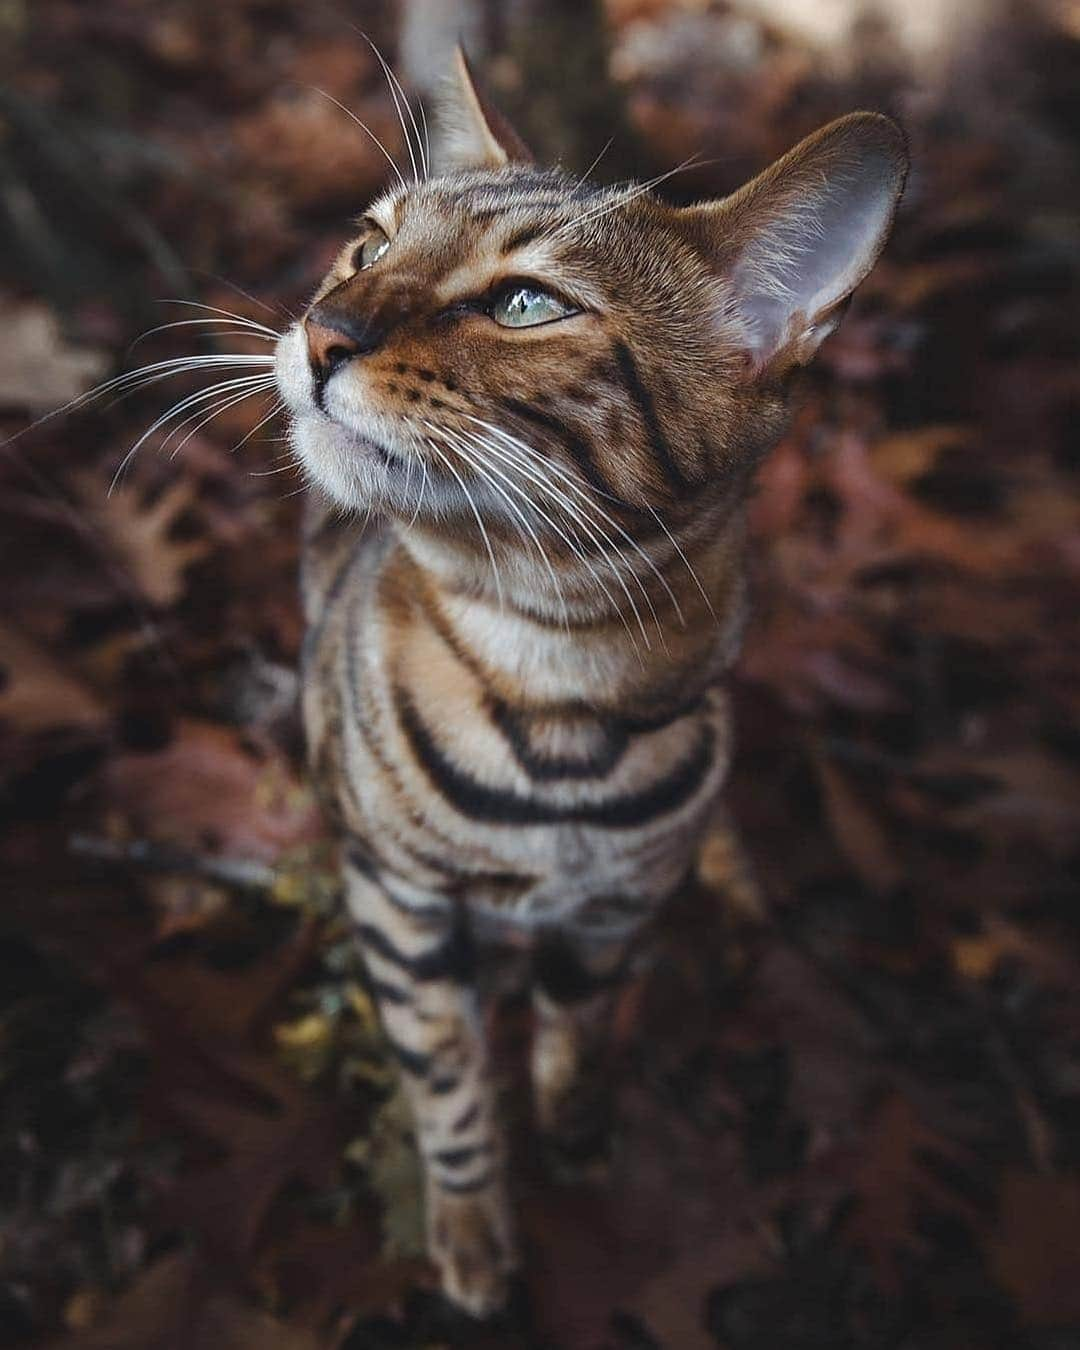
[(791, 246), (473, 134)]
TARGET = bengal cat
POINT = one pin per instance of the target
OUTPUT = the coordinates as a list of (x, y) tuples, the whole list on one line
[(530, 409)]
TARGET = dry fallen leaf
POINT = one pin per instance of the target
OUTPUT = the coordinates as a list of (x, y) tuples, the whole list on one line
[(39, 370), (141, 534), (1034, 1249), (177, 1305), (976, 956), (38, 692), (857, 830), (274, 142), (893, 1183), (207, 790), (914, 613)]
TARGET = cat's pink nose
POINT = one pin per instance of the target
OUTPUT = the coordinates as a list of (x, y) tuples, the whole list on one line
[(330, 345)]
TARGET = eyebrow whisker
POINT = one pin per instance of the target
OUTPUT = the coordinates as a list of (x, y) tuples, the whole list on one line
[(395, 84), (630, 193), (592, 167), (364, 128)]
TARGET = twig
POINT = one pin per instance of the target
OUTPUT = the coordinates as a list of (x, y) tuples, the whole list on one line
[(242, 873)]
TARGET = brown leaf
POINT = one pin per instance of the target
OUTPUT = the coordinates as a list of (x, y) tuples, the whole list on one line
[(976, 956), (141, 534), (878, 510), (1032, 797), (1034, 1250), (207, 789), (670, 1304), (275, 1133), (892, 1182), (725, 866), (191, 1002), (38, 693), (781, 486), (859, 833), (177, 1305), (266, 1127), (39, 370), (275, 143), (908, 455)]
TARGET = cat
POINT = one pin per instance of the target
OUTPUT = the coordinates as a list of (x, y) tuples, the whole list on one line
[(530, 410)]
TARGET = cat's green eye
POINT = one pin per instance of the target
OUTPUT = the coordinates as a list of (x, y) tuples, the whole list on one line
[(523, 306), (371, 250)]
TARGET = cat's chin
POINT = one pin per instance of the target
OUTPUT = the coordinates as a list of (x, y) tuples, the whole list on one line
[(358, 471), (350, 468)]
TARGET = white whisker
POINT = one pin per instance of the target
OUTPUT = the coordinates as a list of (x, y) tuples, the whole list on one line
[(136, 379), (408, 475), (367, 131), (423, 147), (277, 406), (216, 411), (576, 518), (420, 497), (279, 311), (394, 86), (427, 138), (592, 167), (147, 375), (214, 398), (254, 381), (631, 194), (293, 465), (227, 313), (479, 522), (485, 470), (252, 330), (589, 500), (686, 563)]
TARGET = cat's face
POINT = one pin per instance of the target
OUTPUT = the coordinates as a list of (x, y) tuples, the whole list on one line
[(483, 312), (512, 342)]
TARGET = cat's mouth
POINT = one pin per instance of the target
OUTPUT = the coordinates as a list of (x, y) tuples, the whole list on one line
[(363, 444), (361, 457), (322, 429)]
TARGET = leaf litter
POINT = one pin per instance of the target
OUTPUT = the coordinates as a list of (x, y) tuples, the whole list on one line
[(849, 1097)]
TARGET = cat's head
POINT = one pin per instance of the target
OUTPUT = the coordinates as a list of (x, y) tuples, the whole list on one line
[(513, 335)]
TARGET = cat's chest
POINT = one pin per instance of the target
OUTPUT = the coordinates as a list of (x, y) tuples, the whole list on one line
[(522, 783), (530, 819)]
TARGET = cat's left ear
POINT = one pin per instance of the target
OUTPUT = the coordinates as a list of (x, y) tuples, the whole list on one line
[(792, 245), (474, 134)]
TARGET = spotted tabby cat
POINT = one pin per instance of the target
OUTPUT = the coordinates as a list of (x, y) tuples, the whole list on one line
[(531, 409)]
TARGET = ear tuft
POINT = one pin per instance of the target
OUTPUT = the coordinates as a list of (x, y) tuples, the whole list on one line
[(473, 133), (796, 241)]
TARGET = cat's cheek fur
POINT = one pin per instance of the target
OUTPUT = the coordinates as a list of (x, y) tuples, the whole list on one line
[(333, 455), (328, 455), (293, 373)]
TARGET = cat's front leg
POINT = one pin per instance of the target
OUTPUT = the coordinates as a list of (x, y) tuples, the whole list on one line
[(576, 981), (419, 958)]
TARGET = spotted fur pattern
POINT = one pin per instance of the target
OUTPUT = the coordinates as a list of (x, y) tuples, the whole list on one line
[(523, 585)]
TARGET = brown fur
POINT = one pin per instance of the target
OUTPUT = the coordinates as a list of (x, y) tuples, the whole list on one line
[(520, 620)]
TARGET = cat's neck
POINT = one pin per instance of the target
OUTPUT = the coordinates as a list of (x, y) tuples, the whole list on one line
[(568, 629)]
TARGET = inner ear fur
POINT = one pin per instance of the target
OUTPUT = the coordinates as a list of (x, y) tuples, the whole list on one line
[(793, 244), (473, 133)]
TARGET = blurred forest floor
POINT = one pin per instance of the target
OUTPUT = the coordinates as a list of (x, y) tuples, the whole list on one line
[(852, 1121)]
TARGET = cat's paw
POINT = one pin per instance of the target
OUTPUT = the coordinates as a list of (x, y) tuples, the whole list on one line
[(574, 1121), (471, 1242)]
